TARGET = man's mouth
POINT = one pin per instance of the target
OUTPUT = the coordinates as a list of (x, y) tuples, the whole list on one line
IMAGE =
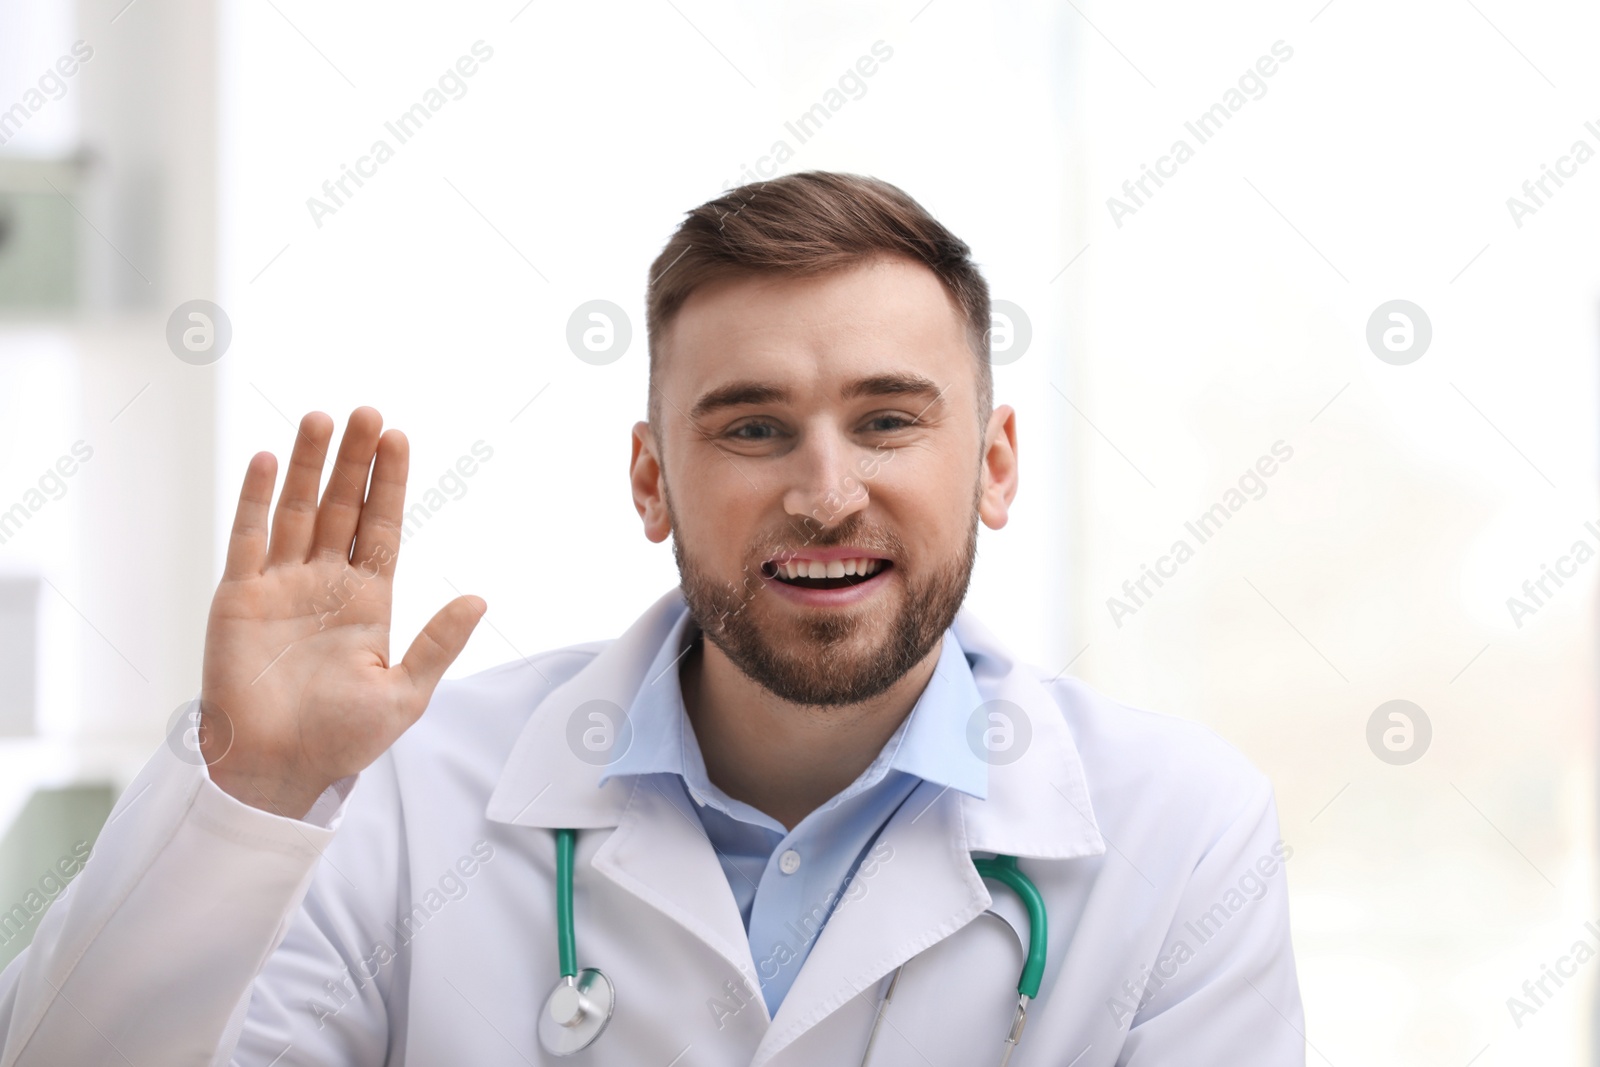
[(809, 572)]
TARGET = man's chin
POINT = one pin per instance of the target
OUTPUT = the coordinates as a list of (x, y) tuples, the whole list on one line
[(828, 676), (815, 656)]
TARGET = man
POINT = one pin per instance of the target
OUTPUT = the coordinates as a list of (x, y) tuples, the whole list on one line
[(778, 778)]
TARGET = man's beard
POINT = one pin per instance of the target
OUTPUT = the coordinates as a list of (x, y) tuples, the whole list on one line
[(822, 668)]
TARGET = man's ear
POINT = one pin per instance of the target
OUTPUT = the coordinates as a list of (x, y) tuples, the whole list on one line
[(644, 472), (999, 471)]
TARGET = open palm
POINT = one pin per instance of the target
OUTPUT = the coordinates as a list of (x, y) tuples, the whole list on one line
[(297, 689)]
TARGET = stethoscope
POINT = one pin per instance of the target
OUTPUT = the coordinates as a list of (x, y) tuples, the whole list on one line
[(581, 1004)]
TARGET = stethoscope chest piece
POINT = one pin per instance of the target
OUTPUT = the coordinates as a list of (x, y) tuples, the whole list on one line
[(576, 1012)]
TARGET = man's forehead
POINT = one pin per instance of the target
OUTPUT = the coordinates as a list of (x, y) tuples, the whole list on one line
[(880, 321)]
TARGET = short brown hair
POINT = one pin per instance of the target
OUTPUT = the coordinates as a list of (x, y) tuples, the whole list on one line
[(811, 223)]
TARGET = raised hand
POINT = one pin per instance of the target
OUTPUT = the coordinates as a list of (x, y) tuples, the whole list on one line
[(296, 688)]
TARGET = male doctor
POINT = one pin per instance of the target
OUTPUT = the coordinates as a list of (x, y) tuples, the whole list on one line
[(780, 777)]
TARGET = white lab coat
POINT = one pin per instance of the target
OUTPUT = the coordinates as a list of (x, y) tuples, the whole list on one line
[(203, 931)]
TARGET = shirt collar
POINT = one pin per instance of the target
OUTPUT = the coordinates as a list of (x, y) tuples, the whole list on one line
[(1038, 802), (931, 743)]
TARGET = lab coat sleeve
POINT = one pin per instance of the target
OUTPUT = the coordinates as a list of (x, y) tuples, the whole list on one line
[(149, 954), (334, 989), (1223, 990)]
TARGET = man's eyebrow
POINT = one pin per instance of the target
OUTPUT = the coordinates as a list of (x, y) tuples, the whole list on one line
[(895, 384), (741, 393), (737, 394)]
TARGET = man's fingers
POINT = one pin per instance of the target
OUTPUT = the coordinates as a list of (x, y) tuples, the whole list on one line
[(292, 523), (347, 488), (440, 642), (247, 544), (378, 535)]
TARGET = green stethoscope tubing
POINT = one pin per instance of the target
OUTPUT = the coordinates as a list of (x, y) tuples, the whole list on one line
[(581, 1005), (566, 929), (1004, 869), (1001, 869)]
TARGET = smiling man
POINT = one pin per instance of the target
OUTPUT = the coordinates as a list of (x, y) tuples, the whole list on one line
[(834, 454), (805, 810)]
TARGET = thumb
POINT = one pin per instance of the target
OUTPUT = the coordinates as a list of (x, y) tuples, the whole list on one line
[(441, 641)]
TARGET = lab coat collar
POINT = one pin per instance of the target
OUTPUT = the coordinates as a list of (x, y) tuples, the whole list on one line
[(1038, 803), (1037, 807), (545, 781)]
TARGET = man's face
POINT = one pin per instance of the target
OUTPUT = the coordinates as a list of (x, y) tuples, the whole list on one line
[(822, 470)]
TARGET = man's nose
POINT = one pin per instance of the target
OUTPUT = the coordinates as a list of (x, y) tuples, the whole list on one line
[(826, 485)]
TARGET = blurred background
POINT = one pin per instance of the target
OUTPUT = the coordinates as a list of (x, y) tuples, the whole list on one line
[(1308, 289)]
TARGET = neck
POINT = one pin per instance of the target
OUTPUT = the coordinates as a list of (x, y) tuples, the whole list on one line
[(781, 758)]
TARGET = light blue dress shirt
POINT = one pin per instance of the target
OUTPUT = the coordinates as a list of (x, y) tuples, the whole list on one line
[(787, 882)]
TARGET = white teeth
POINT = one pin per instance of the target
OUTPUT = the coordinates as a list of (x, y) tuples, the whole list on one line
[(838, 568)]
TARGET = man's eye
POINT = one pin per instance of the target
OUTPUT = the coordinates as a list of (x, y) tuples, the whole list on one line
[(885, 423), (752, 431)]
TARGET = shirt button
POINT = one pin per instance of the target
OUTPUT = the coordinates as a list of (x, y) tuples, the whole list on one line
[(789, 862)]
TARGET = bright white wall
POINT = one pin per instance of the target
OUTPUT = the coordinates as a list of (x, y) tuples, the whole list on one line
[(1229, 312), (32, 38)]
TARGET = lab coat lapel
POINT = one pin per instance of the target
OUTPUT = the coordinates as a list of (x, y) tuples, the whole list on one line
[(1037, 807), (925, 890), (659, 851), (660, 854)]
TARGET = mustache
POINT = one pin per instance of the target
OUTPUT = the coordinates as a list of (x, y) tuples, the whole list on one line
[(854, 531)]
